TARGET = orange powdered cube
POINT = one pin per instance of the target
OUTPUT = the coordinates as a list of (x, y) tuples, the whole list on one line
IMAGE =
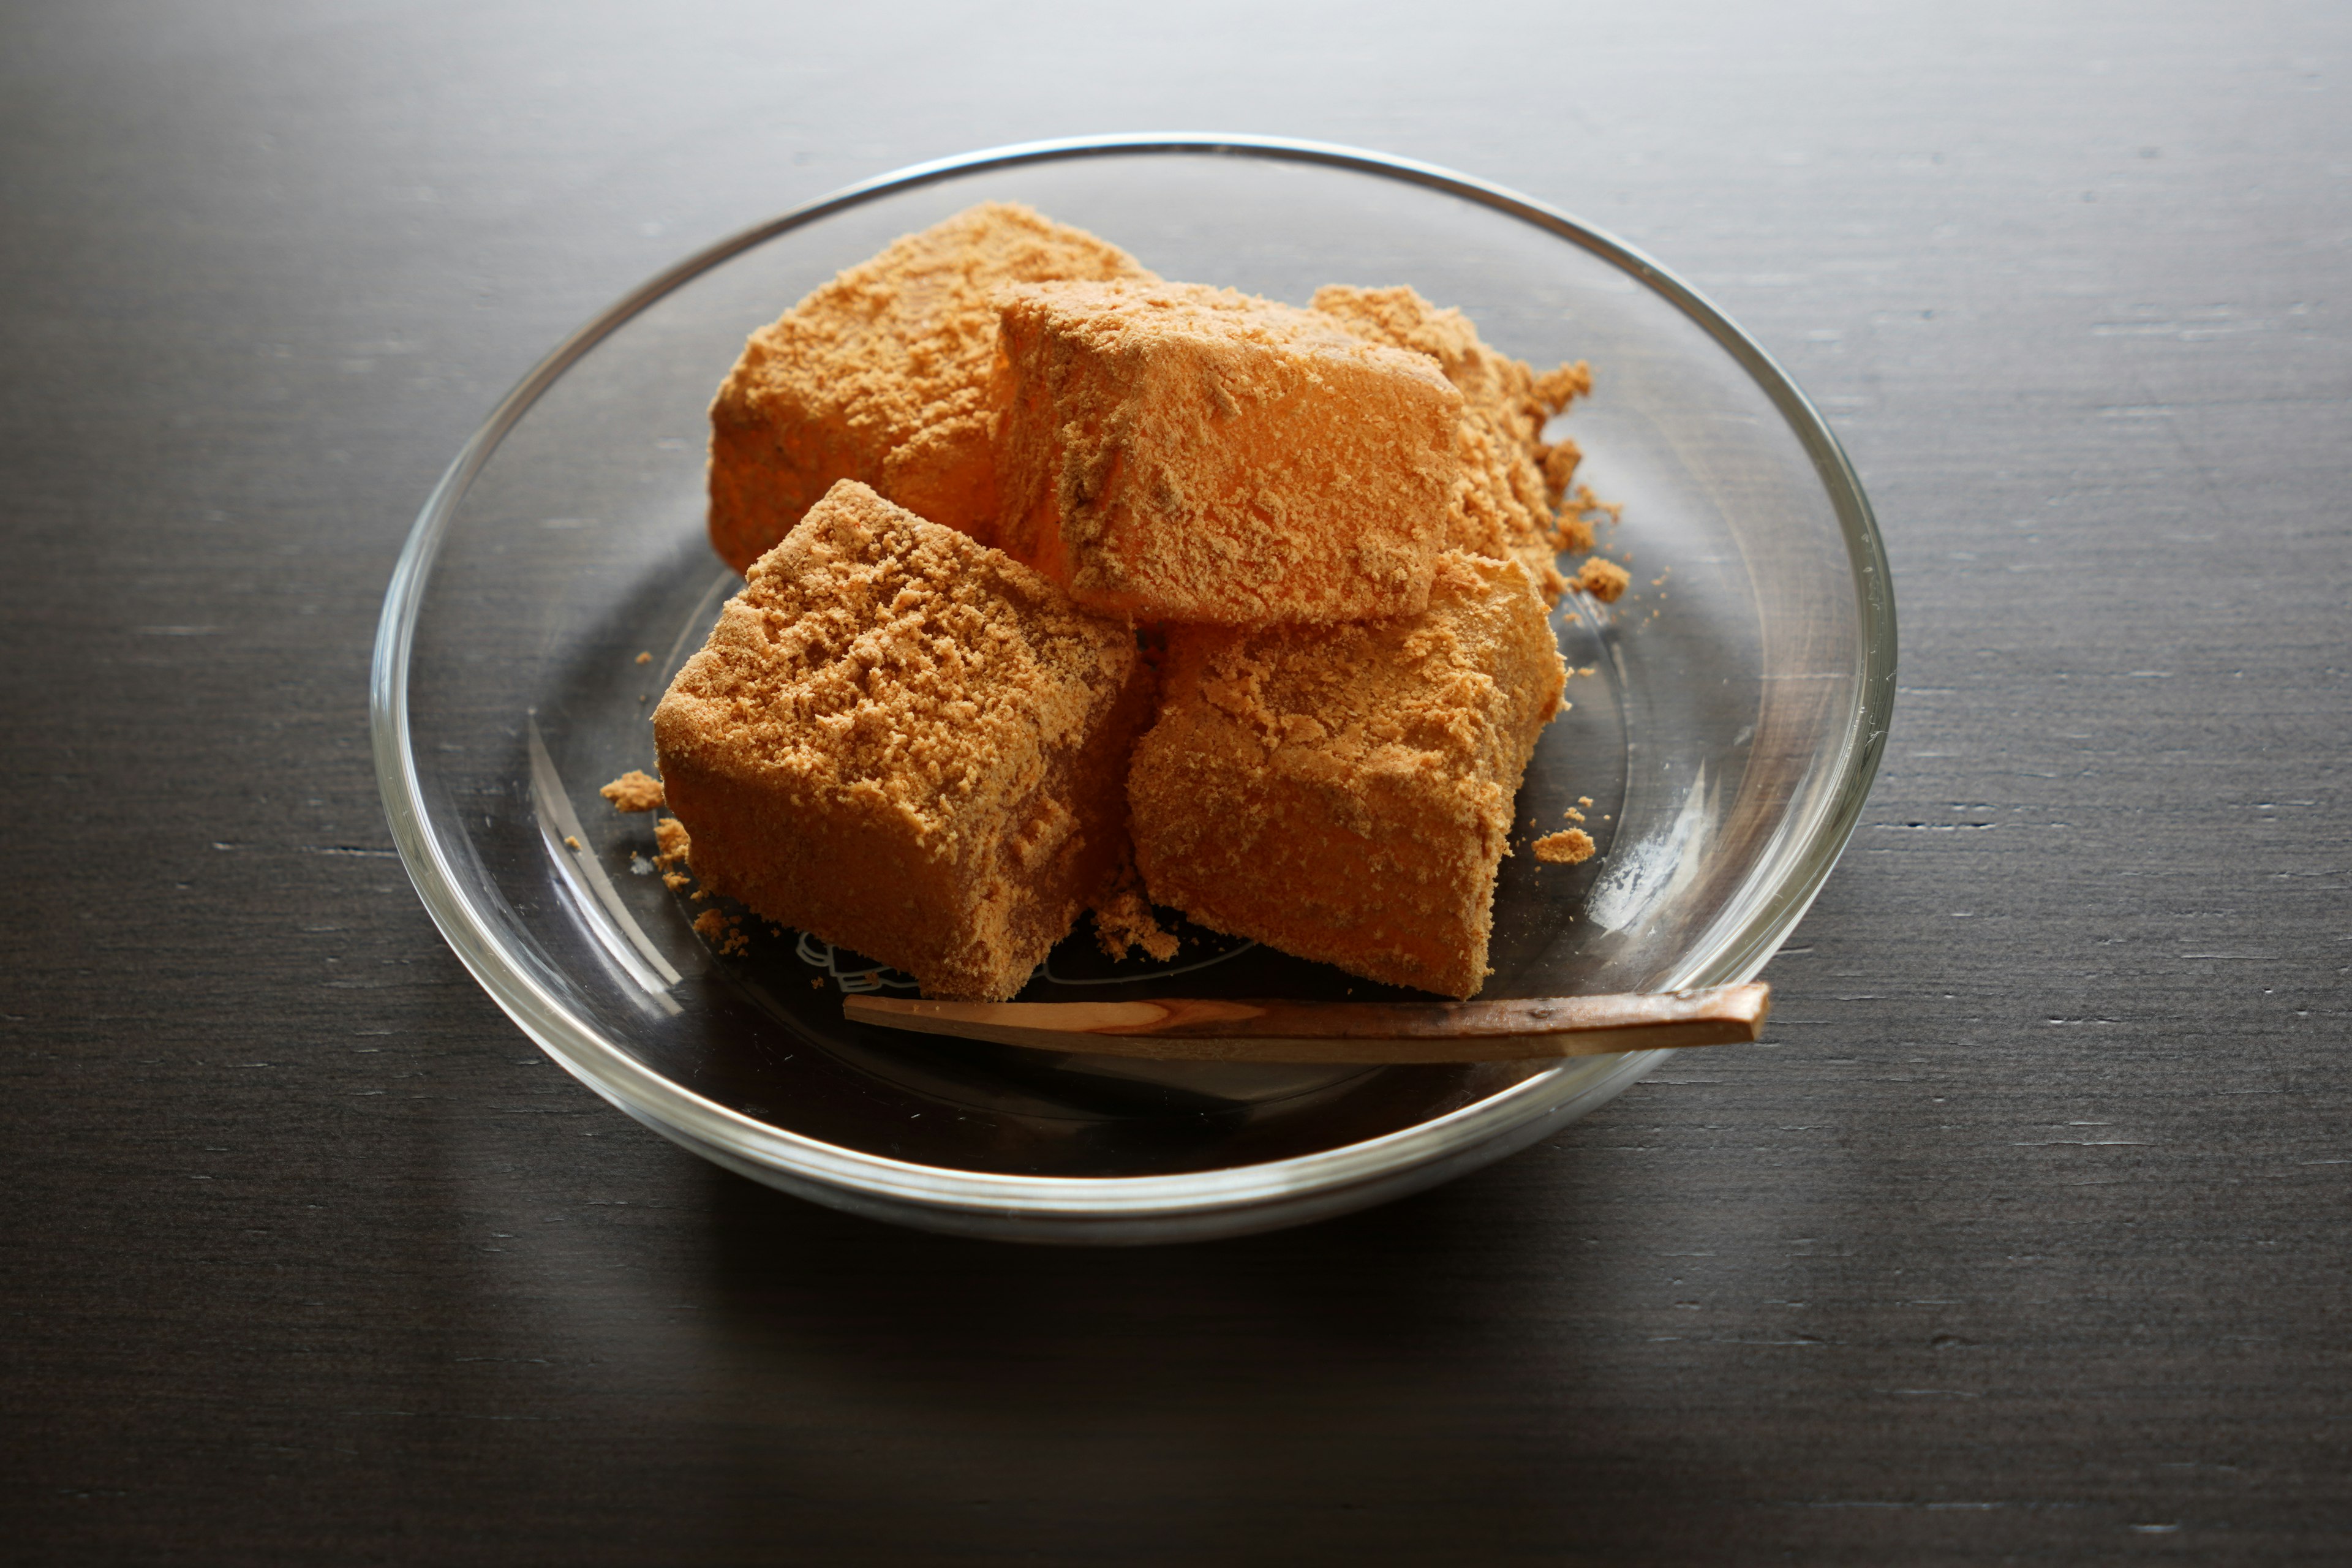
[(908, 744), (1514, 479), (880, 376), (1344, 793), (1177, 452)]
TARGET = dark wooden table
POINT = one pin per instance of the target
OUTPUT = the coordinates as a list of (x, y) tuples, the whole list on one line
[(2028, 1240)]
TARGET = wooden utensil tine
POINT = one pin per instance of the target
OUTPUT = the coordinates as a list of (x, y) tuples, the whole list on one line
[(1226, 1030)]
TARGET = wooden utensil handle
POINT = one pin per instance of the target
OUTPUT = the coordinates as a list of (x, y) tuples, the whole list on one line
[(1223, 1029)]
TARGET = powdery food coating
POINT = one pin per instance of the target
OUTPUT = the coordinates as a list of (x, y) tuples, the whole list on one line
[(1604, 580), (1123, 921), (1513, 480), (634, 791), (880, 376), (672, 844), (1177, 452), (1571, 846), (722, 932), (907, 743), (1344, 793)]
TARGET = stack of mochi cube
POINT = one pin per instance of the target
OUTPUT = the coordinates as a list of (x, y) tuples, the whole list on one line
[(1068, 587)]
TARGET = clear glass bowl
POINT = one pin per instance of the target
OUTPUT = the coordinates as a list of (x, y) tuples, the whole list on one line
[(1726, 725)]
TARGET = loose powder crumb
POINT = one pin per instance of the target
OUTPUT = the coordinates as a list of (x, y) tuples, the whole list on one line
[(671, 842), (634, 791), (1565, 849), (719, 930), (570, 842), (1604, 580), (1123, 920), (1584, 500), (1574, 815)]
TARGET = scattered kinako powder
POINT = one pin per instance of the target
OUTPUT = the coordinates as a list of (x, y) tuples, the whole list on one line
[(570, 842), (635, 790), (1565, 849), (1123, 921), (1604, 580), (644, 658), (721, 930), (639, 791), (670, 846)]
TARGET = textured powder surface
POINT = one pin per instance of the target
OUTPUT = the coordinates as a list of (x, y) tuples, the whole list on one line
[(723, 932), (1123, 921), (1604, 580), (1513, 482), (1344, 793), (1570, 848), (909, 745), (634, 791), (880, 376), (1177, 452), (671, 847)]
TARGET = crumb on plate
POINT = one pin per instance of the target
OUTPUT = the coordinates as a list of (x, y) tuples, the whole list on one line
[(635, 790), (1566, 849)]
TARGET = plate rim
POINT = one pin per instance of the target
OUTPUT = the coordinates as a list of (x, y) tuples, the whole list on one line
[(1259, 1194)]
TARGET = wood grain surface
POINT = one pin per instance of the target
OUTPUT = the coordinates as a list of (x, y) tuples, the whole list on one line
[(2022, 1236), (1234, 1029)]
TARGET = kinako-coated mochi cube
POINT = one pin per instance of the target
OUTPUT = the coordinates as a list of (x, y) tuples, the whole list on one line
[(1175, 452), (1511, 505), (909, 745), (1344, 793), (880, 376)]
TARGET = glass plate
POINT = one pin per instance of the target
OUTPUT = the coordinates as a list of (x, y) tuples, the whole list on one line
[(1728, 716)]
